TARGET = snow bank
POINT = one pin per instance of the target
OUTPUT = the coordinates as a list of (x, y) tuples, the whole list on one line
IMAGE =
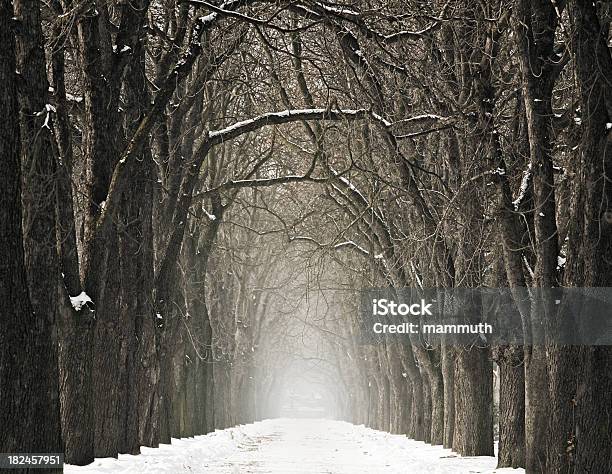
[(183, 455), (305, 446)]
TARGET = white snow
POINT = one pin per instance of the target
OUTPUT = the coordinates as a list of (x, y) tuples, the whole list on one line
[(74, 97), (80, 300), (382, 120), (207, 19), (350, 243), (282, 114), (560, 261), (338, 10), (523, 189), (417, 118), (314, 114), (47, 110), (350, 185), (295, 446), (529, 269)]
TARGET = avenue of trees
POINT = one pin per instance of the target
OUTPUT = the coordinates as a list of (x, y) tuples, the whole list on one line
[(192, 192)]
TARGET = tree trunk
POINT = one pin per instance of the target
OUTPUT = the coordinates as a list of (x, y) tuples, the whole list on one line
[(473, 402), (582, 375), (413, 375), (511, 408), (426, 410), (75, 370), (108, 366), (538, 73), (437, 409), (140, 404), (448, 374), (29, 399)]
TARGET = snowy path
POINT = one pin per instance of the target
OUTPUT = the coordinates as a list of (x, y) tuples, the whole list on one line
[(295, 446)]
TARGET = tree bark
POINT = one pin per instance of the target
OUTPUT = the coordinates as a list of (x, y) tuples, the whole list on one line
[(473, 402), (75, 372), (511, 451), (535, 30), (29, 402), (582, 375)]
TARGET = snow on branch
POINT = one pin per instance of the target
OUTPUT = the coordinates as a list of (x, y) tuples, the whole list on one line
[(356, 17), (216, 137), (523, 189), (224, 11), (339, 10), (276, 118), (316, 11), (353, 245), (347, 184), (422, 118), (349, 244)]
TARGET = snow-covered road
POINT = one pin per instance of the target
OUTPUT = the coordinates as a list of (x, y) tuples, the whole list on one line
[(295, 446)]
